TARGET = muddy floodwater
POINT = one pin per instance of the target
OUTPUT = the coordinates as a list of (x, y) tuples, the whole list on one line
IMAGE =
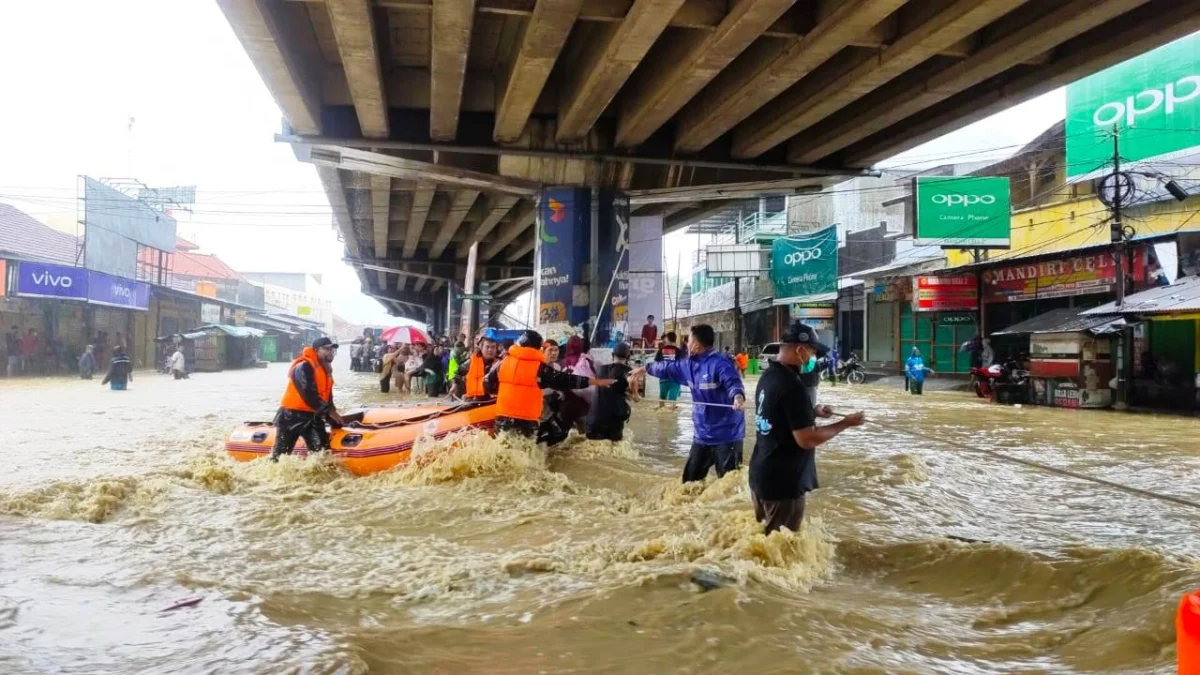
[(916, 557)]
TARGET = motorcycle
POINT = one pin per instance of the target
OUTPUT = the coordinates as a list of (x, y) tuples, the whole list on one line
[(984, 380), (851, 370)]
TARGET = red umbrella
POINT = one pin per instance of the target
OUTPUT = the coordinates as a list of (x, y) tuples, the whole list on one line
[(405, 334)]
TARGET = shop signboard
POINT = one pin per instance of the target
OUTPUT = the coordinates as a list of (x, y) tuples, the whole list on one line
[(1153, 100), (38, 280), (106, 289), (810, 311), (561, 226), (963, 211), (1075, 275), (805, 264), (892, 290), (210, 313), (958, 292), (956, 319)]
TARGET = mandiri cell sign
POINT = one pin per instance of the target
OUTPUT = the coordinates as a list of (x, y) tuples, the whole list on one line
[(1076, 275), (959, 292), (1153, 101), (963, 211)]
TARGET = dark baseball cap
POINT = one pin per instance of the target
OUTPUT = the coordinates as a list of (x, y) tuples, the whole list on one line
[(323, 342), (621, 351), (800, 334)]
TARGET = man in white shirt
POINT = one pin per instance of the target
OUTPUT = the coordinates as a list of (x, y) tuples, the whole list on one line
[(178, 364)]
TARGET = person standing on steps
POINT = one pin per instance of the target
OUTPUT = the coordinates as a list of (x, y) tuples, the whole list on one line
[(308, 401), (721, 424), (519, 381), (783, 468)]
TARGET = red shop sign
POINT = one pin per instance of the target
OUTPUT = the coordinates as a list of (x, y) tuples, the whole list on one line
[(945, 294), (1077, 275)]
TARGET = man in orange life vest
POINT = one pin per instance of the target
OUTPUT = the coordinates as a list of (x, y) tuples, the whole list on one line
[(308, 401), (520, 379)]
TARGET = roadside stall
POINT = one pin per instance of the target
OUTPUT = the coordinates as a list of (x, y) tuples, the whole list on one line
[(1069, 356), (223, 346)]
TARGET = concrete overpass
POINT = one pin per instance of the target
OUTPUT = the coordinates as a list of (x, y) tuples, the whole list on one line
[(434, 123)]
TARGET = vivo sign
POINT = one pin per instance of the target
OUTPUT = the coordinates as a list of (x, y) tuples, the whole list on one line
[(963, 200), (37, 280), (105, 289)]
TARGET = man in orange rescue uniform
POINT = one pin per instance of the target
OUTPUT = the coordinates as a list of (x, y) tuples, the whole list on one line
[(520, 379), (308, 401)]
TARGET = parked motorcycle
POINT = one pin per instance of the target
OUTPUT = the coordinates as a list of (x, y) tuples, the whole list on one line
[(984, 380), (851, 370)]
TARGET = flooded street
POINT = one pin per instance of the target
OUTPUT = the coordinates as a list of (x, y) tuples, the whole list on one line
[(915, 558)]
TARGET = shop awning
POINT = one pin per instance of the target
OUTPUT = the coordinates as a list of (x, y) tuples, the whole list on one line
[(233, 331), (805, 299), (1065, 320), (1181, 296), (271, 323)]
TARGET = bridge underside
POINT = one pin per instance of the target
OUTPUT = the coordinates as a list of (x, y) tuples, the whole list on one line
[(433, 125)]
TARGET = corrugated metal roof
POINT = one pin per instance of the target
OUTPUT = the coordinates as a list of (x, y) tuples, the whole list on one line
[(235, 331), (1064, 320), (23, 236), (1181, 296)]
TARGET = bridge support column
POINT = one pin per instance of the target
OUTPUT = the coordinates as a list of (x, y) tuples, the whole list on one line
[(563, 264)]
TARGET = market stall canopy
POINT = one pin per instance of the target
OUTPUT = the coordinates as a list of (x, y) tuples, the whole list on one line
[(1181, 296), (1065, 320), (233, 331)]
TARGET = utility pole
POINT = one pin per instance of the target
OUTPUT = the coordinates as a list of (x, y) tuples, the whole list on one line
[(1117, 230), (737, 291), (1113, 189)]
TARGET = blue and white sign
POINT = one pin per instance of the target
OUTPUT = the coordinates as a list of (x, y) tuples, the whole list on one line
[(38, 280), (105, 289)]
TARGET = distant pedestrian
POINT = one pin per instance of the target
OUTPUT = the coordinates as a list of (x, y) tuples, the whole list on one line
[(30, 352), (12, 348), (743, 363), (87, 363), (389, 366), (668, 390), (649, 333), (178, 364), (120, 370), (914, 370)]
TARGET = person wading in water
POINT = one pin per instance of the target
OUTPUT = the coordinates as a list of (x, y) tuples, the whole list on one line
[(308, 401), (519, 380), (719, 399), (783, 467), (472, 380)]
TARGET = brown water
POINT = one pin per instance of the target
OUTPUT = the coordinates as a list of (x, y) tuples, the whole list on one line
[(498, 559)]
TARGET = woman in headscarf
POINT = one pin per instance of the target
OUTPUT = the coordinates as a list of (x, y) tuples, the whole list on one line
[(578, 362)]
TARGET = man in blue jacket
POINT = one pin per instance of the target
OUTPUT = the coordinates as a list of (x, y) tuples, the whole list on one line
[(721, 426)]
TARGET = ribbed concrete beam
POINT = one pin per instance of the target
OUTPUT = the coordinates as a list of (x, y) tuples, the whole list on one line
[(381, 277), (332, 183), (545, 34), (687, 217), (521, 248), (450, 41), (381, 196), (437, 285), (1035, 37), (1134, 38), (354, 30), (459, 208), (671, 83), (739, 92), (422, 199), (814, 99), (284, 73), (606, 69), (498, 207), (400, 280), (521, 222), (418, 284)]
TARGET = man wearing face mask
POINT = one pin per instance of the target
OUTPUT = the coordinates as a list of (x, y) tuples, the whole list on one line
[(783, 467)]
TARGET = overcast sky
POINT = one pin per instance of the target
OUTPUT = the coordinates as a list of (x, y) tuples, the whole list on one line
[(76, 71)]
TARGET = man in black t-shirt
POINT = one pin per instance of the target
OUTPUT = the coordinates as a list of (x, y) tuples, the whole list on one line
[(783, 467)]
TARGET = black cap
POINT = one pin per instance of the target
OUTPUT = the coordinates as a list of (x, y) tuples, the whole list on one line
[(800, 334), (621, 351), (323, 342), (530, 338)]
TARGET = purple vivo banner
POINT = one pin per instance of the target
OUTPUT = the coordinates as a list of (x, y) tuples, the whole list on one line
[(37, 280), (105, 289)]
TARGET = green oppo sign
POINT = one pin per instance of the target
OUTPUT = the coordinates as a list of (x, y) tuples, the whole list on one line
[(962, 211), (804, 265), (1152, 100)]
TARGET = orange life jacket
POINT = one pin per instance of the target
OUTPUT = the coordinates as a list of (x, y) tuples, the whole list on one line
[(475, 374), (292, 400), (520, 398)]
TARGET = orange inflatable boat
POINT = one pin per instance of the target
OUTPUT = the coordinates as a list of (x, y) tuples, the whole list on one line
[(374, 440)]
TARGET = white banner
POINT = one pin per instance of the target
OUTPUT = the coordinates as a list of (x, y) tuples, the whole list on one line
[(210, 313), (645, 272)]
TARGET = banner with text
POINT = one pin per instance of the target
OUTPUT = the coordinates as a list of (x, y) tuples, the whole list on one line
[(945, 294), (645, 269), (105, 289), (1153, 100), (805, 265), (562, 220), (37, 280), (613, 265), (1076, 275), (963, 212)]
